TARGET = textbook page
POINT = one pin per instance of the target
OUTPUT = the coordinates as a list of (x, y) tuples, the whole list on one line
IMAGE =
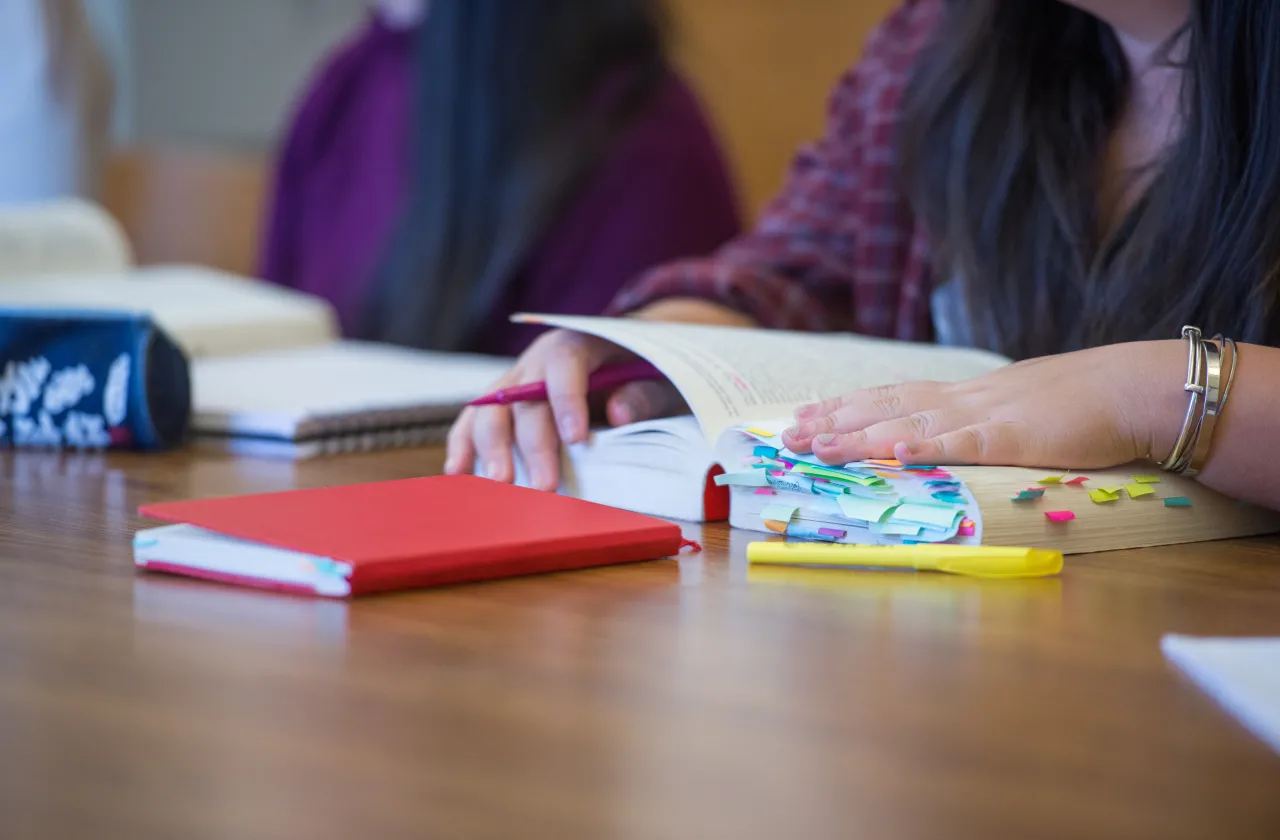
[(733, 375), (60, 237)]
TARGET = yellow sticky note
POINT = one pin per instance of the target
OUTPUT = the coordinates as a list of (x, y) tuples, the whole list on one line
[(1051, 479), (1136, 490), (1101, 497), (760, 432), (1115, 491), (1146, 479)]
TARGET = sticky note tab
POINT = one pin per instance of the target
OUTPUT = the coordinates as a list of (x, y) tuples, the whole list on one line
[(765, 433), (1137, 491), (928, 515), (1052, 479), (1114, 490), (865, 510), (950, 497), (1101, 497), (790, 482), (968, 528), (765, 491), (808, 532), (765, 452), (1031, 494), (779, 512), (834, 533), (941, 483), (1059, 515), (889, 476), (894, 464), (751, 478), (1146, 479), (897, 530), (1077, 481), (920, 468), (1177, 502)]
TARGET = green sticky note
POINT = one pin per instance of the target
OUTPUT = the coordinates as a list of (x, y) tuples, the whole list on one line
[(1101, 497), (751, 478), (927, 515), (1177, 502), (892, 530), (865, 510), (1137, 491), (1052, 479), (779, 513), (1146, 479)]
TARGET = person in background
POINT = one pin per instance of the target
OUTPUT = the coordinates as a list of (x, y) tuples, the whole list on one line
[(55, 102), (463, 160), (1039, 177)]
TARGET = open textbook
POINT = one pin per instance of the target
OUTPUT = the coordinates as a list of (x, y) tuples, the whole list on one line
[(742, 386), (270, 375)]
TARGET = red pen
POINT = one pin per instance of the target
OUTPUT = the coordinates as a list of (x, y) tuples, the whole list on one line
[(609, 376)]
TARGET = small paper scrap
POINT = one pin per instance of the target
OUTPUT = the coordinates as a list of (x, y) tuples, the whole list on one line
[(762, 434), (765, 452), (1077, 481), (1177, 502), (765, 491), (1059, 515), (1101, 497), (1031, 494), (1137, 491), (1052, 479), (1146, 479)]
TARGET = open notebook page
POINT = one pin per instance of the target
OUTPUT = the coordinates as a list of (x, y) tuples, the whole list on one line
[(60, 237), (732, 375), (1243, 675)]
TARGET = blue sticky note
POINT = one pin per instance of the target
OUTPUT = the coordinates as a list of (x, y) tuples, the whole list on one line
[(765, 452), (1177, 502)]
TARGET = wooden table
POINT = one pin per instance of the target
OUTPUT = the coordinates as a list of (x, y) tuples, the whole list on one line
[(675, 699)]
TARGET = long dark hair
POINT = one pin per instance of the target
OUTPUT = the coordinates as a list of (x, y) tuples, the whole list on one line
[(1005, 133), (517, 102)]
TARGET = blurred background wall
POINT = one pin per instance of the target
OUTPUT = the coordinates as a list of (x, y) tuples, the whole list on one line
[(203, 88)]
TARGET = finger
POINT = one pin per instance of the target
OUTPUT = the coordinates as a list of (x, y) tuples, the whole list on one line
[(493, 442), (538, 444), (878, 440), (645, 400), (566, 375), (460, 451), (1000, 444), (862, 409)]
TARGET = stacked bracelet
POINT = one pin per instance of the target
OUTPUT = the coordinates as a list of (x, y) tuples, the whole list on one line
[(1209, 389)]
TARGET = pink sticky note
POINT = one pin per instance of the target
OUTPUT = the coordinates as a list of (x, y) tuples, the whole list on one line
[(1078, 480), (765, 491), (775, 473), (1059, 515)]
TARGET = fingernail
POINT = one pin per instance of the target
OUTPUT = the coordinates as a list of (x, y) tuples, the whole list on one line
[(911, 448), (568, 428), (794, 432), (825, 440)]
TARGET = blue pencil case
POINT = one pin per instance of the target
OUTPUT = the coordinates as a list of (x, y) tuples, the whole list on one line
[(90, 380)]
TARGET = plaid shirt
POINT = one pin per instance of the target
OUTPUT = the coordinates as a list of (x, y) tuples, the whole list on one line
[(839, 248)]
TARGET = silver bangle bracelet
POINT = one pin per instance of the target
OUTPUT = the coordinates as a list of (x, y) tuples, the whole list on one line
[(1207, 361), (1195, 372)]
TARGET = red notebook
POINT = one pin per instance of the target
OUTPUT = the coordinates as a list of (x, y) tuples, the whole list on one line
[(363, 538)]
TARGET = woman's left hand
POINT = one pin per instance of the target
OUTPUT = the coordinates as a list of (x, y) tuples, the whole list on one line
[(1086, 410)]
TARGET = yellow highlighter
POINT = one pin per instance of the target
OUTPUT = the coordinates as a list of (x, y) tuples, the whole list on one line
[(972, 560)]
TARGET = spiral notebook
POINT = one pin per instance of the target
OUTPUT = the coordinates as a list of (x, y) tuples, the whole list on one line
[(345, 396)]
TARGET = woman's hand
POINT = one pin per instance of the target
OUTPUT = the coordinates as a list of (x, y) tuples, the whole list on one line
[(1087, 410), (564, 360)]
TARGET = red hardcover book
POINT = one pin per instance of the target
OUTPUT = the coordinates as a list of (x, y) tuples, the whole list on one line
[(364, 538)]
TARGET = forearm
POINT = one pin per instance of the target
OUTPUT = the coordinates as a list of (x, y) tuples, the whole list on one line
[(1244, 461), (694, 311)]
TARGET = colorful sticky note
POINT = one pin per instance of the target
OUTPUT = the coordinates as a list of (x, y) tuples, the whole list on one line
[(920, 468), (931, 516), (1031, 494), (885, 463), (865, 510), (950, 497), (1101, 497), (1115, 490), (968, 528), (1137, 491), (1059, 515), (1077, 481), (765, 491), (889, 476), (941, 482), (833, 533), (1146, 479), (779, 512), (764, 433), (896, 530), (808, 532), (1052, 479), (751, 478), (1177, 502), (765, 452)]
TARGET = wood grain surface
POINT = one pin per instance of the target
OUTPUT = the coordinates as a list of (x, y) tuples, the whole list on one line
[(674, 699)]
